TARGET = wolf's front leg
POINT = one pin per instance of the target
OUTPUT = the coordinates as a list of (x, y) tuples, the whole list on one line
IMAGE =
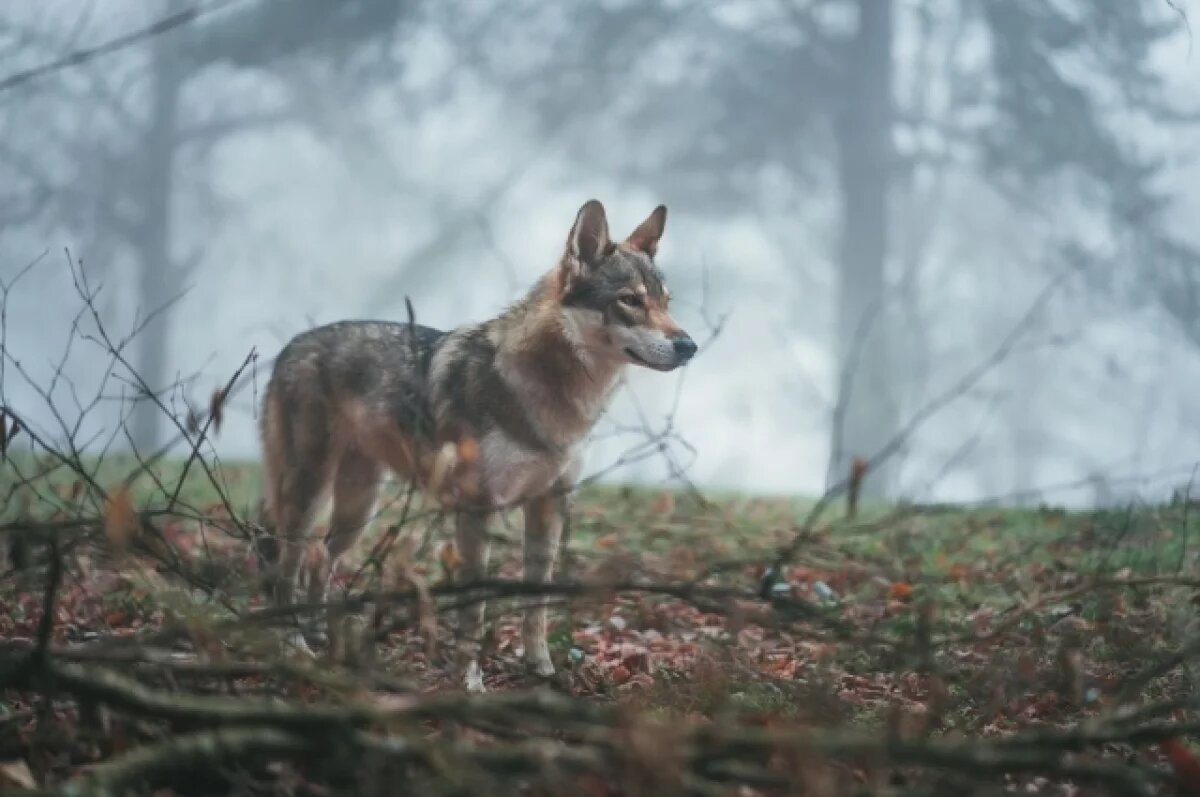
[(471, 532), (543, 527)]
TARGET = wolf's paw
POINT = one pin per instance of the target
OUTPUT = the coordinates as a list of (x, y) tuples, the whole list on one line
[(473, 678)]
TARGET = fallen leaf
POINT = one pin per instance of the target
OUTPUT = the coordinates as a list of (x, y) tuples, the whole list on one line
[(193, 422), (449, 557), (607, 541), (900, 591), (118, 518), (664, 503), (216, 408), (1183, 762)]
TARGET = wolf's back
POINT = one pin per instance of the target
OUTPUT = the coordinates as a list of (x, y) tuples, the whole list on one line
[(381, 365)]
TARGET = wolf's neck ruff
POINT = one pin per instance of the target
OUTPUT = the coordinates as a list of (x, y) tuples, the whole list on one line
[(562, 378)]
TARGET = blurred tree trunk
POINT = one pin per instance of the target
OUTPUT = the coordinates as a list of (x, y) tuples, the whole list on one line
[(866, 413), (159, 278), (261, 34)]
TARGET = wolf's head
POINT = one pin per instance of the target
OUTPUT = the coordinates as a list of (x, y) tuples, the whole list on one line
[(613, 297)]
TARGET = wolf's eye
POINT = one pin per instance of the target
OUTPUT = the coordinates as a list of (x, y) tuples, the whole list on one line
[(630, 300)]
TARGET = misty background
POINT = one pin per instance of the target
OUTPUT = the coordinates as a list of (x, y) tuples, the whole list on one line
[(871, 202)]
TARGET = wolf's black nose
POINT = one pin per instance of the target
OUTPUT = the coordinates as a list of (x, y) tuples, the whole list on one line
[(685, 347)]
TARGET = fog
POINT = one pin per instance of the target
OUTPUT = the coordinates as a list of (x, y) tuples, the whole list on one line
[(966, 225)]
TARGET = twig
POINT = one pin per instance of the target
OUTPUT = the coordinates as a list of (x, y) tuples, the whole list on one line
[(138, 36)]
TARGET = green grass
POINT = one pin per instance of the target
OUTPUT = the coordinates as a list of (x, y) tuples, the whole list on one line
[(920, 547), (44, 485)]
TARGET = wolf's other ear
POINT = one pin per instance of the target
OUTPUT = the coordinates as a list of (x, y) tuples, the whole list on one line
[(588, 242), (645, 237)]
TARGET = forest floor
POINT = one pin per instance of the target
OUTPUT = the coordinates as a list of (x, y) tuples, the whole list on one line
[(907, 650)]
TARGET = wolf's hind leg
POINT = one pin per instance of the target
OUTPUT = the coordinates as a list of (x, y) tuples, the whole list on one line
[(355, 487), (296, 455), (300, 494), (471, 534)]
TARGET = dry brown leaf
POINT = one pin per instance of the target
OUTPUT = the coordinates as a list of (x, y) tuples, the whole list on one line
[(607, 541), (118, 518), (193, 422), (449, 557), (216, 408), (664, 503), (1183, 762)]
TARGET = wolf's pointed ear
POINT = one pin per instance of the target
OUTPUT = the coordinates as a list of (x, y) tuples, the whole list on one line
[(588, 242), (645, 237)]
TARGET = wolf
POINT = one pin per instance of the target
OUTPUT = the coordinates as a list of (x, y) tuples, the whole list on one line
[(482, 418)]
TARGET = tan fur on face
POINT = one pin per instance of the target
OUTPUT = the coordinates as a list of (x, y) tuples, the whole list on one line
[(660, 319)]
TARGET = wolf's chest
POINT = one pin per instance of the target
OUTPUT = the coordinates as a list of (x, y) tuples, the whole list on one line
[(512, 472)]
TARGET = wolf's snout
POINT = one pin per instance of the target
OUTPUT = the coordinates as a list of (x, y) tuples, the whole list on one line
[(685, 348)]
